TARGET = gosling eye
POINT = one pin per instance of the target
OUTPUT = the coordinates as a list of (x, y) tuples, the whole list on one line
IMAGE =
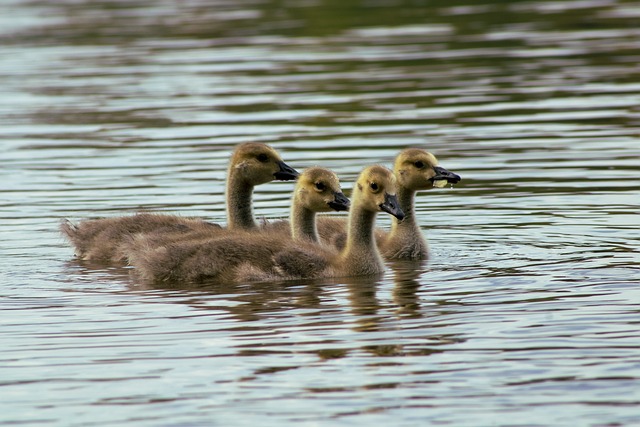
[(320, 186), (419, 164), (263, 157), (374, 186)]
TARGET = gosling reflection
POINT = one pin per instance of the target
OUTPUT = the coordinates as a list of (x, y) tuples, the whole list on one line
[(255, 301), (263, 316), (406, 275), (89, 271), (364, 303), (243, 302)]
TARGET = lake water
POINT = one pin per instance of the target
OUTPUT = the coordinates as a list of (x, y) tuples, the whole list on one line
[(527, 313)]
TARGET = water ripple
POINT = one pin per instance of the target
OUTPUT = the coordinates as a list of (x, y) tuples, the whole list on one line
[(526, 305)]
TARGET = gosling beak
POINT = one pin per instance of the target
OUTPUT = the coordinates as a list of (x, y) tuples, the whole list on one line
[(443, 174), (286, 172), (392, 206), (340, 202)]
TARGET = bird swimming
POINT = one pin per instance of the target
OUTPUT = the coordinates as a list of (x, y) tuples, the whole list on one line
[(251, 164), (415, 169)]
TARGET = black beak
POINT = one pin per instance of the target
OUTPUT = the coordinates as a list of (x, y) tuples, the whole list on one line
[(442, 174), (340, 202), (286, 172), (392, 206)]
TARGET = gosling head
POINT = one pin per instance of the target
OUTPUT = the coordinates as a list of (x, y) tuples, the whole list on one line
[(318, 189), (258, 163), (376, 191), (417, 169)]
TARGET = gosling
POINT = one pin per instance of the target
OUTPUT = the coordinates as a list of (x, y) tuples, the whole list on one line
[(251, 164), (415, 169)]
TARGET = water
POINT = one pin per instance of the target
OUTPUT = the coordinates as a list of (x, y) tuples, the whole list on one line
[(527, 313)]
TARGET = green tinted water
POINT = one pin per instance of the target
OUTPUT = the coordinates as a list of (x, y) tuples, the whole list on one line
[(527, 313)]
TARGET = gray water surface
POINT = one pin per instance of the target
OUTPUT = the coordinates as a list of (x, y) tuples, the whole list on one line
[(526, 314)]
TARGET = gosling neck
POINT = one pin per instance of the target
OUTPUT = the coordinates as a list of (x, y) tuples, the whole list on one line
[(361, 251), (303, 223), (408, 224), (239, 203)]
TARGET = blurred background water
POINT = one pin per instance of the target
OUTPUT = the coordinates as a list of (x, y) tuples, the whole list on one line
[(527, 313)]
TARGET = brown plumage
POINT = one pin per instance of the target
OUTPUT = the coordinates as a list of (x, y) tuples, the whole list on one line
[(251, 164), (245, 256), (415, 169)]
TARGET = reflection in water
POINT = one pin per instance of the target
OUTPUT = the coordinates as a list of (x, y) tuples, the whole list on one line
[(407, 284), (529, 300), (87, 271), (364, 304)]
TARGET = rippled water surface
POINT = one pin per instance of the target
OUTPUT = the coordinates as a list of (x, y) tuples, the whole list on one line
[(527, 313)]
